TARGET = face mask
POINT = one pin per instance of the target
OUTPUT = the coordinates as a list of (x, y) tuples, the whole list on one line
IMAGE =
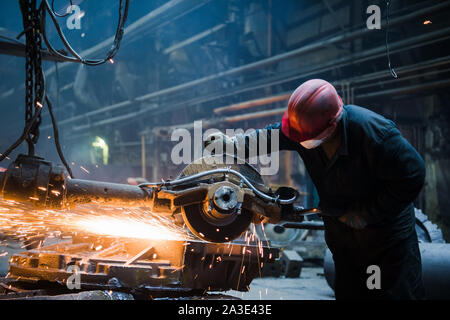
[(317, 141), (311, 144)]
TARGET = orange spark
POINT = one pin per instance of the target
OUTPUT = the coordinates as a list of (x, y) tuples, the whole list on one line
[(127, 228), (84, 169)]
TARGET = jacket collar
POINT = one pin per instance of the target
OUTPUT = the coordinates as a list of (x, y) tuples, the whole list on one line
[(343, 148)]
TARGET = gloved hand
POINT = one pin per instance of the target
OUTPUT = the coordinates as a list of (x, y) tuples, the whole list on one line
[(355, 217), (353, 220), (218, 137)]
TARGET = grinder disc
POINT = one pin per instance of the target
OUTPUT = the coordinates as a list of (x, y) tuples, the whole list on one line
[(199, 222)]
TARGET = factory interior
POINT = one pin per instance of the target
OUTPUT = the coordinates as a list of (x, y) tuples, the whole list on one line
[(107, 192)]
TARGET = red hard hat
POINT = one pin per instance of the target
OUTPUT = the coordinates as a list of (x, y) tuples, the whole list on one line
[(312, 108)]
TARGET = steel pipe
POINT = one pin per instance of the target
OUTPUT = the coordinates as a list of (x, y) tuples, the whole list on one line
[(306, 225), (105, 193), (252, 103), (360, 57), (311, 72), (406, 89), (192, 39), (279, 111)]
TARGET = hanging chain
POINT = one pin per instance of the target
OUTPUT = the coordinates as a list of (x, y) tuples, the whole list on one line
[(34, 78)]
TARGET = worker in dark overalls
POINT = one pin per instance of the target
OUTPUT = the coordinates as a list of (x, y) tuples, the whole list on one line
[(367, 176)]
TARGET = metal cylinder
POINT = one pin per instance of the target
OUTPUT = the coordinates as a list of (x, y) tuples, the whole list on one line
[(105, 193), (435, 269), (225, 199)]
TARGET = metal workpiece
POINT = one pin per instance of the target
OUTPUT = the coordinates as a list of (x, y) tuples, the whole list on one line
[(32, 179), (294, 218), (225, 199), (217, 201), (156, 267), (47, 186), (105, 193), (306, 225)]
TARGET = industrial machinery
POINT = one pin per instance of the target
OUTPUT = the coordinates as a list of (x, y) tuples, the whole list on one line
[(160, 268), (216, 200)]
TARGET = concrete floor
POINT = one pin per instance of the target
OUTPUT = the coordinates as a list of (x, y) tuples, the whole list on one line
[(311, 285)]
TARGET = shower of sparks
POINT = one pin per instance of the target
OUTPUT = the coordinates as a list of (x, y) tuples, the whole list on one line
[(84, 169), (134, 228), (23, 222)]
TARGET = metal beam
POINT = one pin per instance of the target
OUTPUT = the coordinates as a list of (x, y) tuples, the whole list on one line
[(195, 38)]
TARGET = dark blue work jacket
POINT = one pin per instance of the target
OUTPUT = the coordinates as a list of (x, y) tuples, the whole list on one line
[(375, 169)]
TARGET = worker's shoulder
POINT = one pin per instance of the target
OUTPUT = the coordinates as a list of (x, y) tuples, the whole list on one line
[(373, 125), (275, 125)]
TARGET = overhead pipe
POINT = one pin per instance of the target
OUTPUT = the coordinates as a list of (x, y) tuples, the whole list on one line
[(252, 103), (279, 111), (432, 63), (380, 74), (255, 115), (411, 68), (407, 89), (291, 54), (438, 62), (341, 62), (379, 51), (411, 77), (195, 38), (262, 63), (208, 123), (283, 97)]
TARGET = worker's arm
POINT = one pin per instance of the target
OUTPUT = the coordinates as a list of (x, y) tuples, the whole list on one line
[(255, 143), (400, 174), (270, 136)]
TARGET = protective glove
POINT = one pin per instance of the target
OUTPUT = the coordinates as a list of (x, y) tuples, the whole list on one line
[(356, 217), (218, 137), (353, 220)]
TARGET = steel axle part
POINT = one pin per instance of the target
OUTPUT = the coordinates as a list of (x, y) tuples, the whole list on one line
[(217, 203)]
